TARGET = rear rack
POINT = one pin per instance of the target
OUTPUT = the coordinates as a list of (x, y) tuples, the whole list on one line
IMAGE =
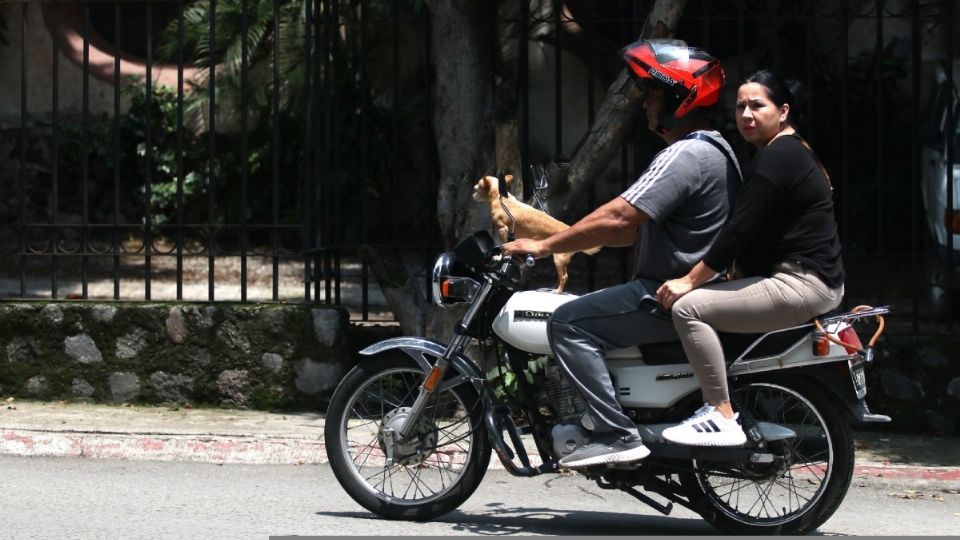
[(854, 315), (857, 313)]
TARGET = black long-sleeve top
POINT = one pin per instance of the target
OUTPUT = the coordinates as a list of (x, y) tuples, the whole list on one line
[(784, 212)]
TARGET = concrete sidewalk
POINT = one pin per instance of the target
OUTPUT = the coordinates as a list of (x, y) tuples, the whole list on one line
[(256, 437)]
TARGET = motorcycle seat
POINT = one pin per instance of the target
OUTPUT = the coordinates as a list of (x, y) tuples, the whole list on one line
[(734, 345)]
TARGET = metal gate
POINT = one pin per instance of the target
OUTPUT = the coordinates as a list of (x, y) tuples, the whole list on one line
[(128, 175)]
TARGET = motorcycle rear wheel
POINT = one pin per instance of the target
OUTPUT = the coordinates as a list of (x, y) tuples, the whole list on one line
[(429, 476), (795, 494)]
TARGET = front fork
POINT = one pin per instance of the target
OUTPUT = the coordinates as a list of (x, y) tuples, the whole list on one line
[(457, 345)]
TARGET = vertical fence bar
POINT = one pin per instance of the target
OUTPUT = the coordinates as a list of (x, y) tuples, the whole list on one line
[(55, 153), (915, 74), (244, 33), (148, 169), (592, 192), (333, 204), (180, 47), (211, 158), (319, 154), (810, 129), (741, 42), (364, 171), (844, 124), (878, 152), (524, 92), (433, 236), (307, 151), (328, 151), (85, 159), (275, 151), (951, 134), (776, 25), (558, 78), (395, 118), (116, 154), (22, 173)]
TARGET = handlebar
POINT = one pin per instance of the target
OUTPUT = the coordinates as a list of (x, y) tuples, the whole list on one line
[(528, 260)]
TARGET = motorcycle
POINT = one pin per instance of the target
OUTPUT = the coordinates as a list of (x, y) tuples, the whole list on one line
[(410, 430)]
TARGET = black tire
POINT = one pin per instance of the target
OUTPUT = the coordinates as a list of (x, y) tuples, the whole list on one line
[(451, 430), (821, 457)]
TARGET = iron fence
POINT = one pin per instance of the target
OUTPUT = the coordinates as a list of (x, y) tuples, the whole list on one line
[(246, 150)]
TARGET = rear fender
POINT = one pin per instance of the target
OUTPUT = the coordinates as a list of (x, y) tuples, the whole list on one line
[(465, 368), (834, 378)]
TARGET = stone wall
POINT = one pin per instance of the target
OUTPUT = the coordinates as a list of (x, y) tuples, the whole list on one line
[(291, 356), (249, 355)]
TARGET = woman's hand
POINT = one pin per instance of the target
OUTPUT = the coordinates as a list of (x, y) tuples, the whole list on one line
[(673, 290), (525, 246)]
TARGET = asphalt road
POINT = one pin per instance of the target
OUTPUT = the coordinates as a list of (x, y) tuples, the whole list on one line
[(88, 498)]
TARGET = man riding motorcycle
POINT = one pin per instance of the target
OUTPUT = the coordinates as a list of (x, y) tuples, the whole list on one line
[(671, 214)]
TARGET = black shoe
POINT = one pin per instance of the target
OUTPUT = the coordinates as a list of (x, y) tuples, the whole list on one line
[(602, 452)]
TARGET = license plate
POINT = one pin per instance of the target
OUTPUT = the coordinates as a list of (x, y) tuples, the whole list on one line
[(859, 377)]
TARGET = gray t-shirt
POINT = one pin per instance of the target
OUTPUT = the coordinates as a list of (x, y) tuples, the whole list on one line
[(688, 191)]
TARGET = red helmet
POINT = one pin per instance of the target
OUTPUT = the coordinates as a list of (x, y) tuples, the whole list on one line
[(692, 78)]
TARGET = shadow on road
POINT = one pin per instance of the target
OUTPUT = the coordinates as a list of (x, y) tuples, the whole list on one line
[(501, 520)]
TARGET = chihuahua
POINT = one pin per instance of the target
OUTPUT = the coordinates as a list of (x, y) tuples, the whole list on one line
[(529, 222)]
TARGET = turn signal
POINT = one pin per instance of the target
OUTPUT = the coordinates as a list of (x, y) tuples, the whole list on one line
[(821, 345)]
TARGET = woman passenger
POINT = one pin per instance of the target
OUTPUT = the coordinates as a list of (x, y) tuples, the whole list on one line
[(782, 235)]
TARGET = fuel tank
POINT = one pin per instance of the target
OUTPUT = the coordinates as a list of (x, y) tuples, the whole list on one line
[(522, 322)]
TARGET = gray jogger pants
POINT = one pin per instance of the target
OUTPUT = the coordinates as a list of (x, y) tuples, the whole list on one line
[(790, 297), (581, 330)]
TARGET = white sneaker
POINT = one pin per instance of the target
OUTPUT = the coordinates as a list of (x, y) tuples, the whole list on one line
[(707, 427)]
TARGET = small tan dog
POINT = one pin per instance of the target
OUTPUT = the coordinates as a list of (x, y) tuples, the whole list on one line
[(530, 222)]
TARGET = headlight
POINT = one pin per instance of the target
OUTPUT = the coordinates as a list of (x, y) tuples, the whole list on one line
[(449, 289)]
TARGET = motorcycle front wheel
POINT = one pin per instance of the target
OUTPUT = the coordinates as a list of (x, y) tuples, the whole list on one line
[(807, 480), (421, 478)]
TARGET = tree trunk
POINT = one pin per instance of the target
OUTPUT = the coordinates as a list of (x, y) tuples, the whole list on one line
[(615, 119), (465, 133), (463, 110)]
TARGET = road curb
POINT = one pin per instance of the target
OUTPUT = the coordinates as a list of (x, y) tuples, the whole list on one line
[(271, 450), (160, 447)]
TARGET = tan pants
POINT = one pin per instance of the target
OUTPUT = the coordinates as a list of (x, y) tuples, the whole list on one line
[(790, 297)]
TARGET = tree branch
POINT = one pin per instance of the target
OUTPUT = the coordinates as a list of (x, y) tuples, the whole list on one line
[(616, 116)]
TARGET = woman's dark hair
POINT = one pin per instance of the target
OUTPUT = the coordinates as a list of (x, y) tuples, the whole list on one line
[(780, 90)]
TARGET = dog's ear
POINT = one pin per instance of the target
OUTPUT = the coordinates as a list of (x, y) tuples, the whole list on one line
[(490, 184), (508, 179)]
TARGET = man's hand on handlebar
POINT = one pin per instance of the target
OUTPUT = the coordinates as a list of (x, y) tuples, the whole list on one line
[(522, 247)]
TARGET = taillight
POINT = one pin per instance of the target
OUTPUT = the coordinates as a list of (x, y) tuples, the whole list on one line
[(951, 220), (849, 336)]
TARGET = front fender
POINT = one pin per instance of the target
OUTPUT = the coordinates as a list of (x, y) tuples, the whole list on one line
[(413, 346)]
